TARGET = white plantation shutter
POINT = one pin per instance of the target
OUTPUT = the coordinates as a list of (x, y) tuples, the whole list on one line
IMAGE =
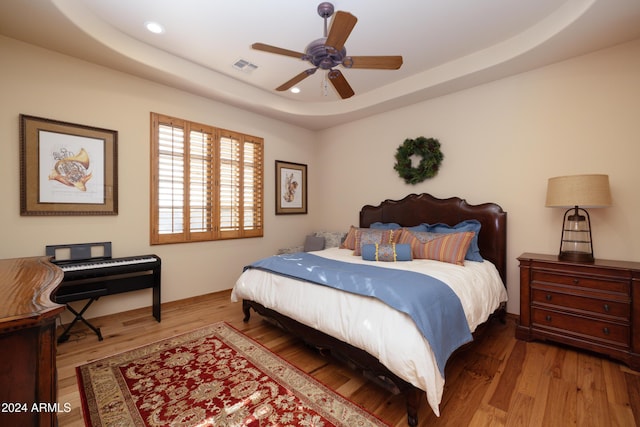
[(215, 191)]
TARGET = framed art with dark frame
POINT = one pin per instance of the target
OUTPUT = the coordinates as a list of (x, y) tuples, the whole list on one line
[(67, 169), (291, 188)]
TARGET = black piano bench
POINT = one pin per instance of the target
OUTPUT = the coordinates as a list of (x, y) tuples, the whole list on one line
[(92, 296)]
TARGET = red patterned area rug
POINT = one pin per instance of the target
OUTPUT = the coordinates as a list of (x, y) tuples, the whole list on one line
[(214, 376)]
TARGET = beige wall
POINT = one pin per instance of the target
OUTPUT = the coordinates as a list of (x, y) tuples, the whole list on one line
[(501, 142), (45, 84)]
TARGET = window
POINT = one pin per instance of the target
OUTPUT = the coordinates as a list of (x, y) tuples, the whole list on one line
[(206, 182)]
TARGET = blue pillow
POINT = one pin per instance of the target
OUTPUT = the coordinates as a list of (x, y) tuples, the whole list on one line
[(385, 226), (420, 228), (473, 253), (386, 252)]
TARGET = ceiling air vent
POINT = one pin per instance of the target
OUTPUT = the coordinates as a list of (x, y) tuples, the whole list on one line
[(244, 65)]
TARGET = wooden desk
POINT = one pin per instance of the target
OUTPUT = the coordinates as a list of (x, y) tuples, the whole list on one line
[(28, 389)]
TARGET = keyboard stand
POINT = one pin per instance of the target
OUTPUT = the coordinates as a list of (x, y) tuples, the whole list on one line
[(93, 296), (90, 273)]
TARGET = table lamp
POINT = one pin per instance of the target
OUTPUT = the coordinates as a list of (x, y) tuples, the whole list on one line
[(577, 192)]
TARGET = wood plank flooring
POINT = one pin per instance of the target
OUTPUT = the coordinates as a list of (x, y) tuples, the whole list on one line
[(497, 381)]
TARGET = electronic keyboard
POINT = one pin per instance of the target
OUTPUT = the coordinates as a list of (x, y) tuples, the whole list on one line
[(68, 266)]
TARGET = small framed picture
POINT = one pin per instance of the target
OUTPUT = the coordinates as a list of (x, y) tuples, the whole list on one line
[(67, 169), (291, 188)]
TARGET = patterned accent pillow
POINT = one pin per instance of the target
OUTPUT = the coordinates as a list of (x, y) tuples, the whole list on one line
[(386, 252), (422, 236), (449, 248), (364, 236), (332, 239)]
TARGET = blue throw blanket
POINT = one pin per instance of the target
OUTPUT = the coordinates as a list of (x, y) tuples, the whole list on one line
[(432, 305)]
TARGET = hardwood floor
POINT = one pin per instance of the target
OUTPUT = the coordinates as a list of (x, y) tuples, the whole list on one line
[(498, 381)]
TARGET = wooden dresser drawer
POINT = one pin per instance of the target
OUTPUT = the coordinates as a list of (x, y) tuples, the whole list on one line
[(598, 284), (608, 307), (591, 328)]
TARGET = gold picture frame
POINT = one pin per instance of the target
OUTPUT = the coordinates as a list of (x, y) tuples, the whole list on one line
[(67, 168), (291, 188)]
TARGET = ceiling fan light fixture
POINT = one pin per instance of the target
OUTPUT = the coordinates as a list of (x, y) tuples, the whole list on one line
[(295, 89)]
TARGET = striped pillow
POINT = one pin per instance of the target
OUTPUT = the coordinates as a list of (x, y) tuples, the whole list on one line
[(450, 248), (349, 241)]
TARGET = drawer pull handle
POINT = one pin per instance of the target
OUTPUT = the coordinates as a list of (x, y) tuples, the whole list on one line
[(576, 281), (548, 318), (606, 307), (606, 331), (548, 297)]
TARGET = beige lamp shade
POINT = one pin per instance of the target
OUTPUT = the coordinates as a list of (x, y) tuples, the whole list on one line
[(586, 191)]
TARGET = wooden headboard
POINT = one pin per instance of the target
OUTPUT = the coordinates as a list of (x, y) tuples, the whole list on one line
[(416, 209)]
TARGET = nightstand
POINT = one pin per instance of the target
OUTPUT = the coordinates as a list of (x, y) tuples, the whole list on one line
[(593, 306)]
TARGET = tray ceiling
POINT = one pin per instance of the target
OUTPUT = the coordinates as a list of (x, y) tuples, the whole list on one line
[(446, 45)]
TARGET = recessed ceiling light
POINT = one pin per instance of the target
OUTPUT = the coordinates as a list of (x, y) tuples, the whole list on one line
[(295, 89), (154, 27)]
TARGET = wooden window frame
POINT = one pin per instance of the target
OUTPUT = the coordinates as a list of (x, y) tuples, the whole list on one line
[(230, 206)]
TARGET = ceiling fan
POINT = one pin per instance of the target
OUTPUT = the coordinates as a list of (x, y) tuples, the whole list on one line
[(328, 52)]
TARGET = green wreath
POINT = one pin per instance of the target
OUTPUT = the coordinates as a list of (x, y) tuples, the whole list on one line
[(428, 149)]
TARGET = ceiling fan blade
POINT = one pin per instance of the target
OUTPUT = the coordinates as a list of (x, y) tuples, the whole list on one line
[(375, 62), (340, 83), (277, 50), (297, 79), (343, 23)]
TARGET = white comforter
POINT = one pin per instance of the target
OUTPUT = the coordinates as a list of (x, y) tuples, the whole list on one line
[(370, 324)]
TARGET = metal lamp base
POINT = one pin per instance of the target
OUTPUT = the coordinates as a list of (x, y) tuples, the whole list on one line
[(584, 257), (575, 242)]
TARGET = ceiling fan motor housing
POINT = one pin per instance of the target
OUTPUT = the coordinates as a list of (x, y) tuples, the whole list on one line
[(323, 56)]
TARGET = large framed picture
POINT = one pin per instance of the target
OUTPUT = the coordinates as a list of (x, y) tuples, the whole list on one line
[(291, 188), (67, 169)]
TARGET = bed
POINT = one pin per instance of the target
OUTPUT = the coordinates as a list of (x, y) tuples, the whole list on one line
[(385, 343)]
